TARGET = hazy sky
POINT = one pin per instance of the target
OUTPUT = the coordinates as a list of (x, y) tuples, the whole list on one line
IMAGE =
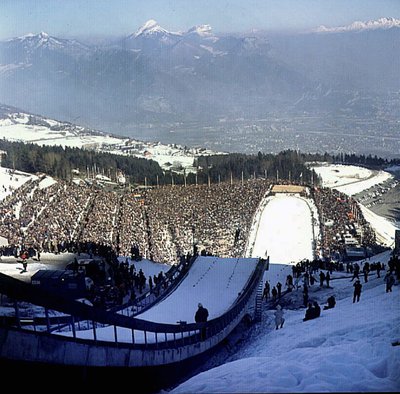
[(121, 17)]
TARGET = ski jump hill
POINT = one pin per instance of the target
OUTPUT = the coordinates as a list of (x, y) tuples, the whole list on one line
[(164, 333)]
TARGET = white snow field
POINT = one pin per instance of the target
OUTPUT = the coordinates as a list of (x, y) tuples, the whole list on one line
[(12, 181), (350, 179), (284, 232), (347, 349)]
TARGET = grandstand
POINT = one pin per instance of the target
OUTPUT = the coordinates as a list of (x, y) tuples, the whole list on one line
[(163, 223)]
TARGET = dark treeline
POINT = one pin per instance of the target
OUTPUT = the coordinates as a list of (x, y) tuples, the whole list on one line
[(59, 162), (347, 158), (286, 165)]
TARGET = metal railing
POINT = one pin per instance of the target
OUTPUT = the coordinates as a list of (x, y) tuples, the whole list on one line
[(173, 277), (155, 335)]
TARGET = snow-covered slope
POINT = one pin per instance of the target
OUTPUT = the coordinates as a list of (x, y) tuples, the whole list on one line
[(284, 232), (11, 180), (20, 126), (350, 179), (348, 349)]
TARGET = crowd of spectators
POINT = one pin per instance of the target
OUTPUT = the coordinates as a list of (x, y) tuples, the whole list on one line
[(339, 214), (216, 218), (160, 223)]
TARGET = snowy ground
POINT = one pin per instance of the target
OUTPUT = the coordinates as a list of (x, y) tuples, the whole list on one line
[(348, 349), (284, 218), (350, 179), (16, 127), (384, 228), (12, 266), (10, 182)]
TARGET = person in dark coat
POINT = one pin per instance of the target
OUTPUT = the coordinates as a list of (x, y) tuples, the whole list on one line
[(274, 293), (321, 279), (266, 290), (327, 278), (279, 288), (201, 314), (389, 280), (317, 309), (309, 312), (378, 269), (357, 290), (331, 302), (279, 319)]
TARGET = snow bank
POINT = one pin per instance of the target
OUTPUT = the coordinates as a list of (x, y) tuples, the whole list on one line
[(348, 349), (10, 182), (350, 179), (384, 228)]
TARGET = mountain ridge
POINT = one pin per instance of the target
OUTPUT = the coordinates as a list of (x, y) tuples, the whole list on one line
[(160, 77)]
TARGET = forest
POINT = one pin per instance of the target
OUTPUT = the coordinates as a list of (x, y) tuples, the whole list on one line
[(60, 162)]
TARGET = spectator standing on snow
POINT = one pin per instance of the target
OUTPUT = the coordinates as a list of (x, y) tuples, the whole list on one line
[(355, 272), (279, 288), (327, 278), (317, 309), (289, 282), (357, 290), (378, 269), (279, 319), (201, 315), (266, 291), (365, 272), (274, 293), (389, 280), (321, 279)]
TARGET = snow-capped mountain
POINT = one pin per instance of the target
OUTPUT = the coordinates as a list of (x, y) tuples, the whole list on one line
[(381, 23), (201, 30), (43, 40), (158, 76), (152, 36), (24, 50), (151, 28)]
